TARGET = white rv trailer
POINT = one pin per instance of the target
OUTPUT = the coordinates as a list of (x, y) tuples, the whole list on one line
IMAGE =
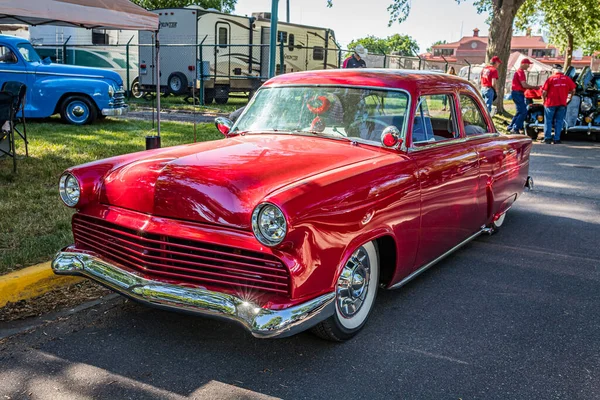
[(231, 50)]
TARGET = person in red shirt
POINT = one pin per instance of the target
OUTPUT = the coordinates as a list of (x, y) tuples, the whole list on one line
[(556, 91), (519, 85), (489, 81)]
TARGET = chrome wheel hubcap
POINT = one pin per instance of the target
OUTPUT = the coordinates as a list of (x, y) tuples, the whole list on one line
[(353, 283), (78, 111)]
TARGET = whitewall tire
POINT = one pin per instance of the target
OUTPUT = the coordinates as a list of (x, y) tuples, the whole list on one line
[(356, 290)]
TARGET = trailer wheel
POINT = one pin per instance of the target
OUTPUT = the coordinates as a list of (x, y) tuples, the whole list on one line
[(221, 94), (209, 96), (177, 83)]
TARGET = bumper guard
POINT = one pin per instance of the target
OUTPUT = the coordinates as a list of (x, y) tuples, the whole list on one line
[(261, 322), (115, 112)]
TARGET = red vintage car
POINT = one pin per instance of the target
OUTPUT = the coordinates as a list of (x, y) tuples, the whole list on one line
[(330, 186)]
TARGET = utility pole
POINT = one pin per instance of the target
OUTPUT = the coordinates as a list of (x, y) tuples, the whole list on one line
[(287, 8), (273, 42)]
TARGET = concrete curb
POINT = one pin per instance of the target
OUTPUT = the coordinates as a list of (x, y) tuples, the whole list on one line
[(31, 282)]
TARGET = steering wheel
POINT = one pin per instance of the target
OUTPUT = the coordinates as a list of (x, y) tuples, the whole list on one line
[(353, 127)]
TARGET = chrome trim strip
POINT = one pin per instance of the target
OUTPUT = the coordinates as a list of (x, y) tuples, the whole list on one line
[(52, 73), (440, 258), (453, 141), (261, 322)]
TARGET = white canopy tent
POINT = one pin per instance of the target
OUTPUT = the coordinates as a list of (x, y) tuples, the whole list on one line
[(97, 14)]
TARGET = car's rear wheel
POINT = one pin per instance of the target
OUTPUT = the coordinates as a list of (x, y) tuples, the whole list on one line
[(356, 290), (78, 110)]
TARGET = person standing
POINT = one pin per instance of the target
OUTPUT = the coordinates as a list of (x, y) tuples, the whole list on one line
[(489, 81), (356, 60), (556, 91), (519, 85)]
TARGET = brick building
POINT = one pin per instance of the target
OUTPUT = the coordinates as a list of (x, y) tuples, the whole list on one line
[(473, 49)]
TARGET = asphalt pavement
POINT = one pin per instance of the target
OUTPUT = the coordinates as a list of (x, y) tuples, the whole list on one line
[(510, 316)]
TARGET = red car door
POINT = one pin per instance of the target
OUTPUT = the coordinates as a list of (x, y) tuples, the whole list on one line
[(448, 171), (495, 155)]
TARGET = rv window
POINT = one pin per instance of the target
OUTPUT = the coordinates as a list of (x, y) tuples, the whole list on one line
[(318, 53), (223, 37), (291, 42), (282, 36)]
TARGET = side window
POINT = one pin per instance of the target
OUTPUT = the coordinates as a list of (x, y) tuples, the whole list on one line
[(473, 120), (282, 36), (223, 37), (318, 53), (434, 120), (89, 59), (291, 42), (7, 56)]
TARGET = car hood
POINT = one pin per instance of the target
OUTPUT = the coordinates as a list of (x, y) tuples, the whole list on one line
[(221, 182), (79, 72)]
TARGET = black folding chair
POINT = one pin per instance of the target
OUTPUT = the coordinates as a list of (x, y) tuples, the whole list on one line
[(7, 137), (18, 90)]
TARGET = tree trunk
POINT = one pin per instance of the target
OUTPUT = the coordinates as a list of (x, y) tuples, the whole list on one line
[(503, 16), (568, 51)]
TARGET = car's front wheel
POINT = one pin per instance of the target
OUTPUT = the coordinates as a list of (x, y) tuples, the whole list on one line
[(356, 290), (78, 110)]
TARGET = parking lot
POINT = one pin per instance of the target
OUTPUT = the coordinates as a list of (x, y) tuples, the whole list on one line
[(509, 316)]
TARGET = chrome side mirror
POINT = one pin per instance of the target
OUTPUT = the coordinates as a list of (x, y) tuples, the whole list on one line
[(223, 125), (390, 137)]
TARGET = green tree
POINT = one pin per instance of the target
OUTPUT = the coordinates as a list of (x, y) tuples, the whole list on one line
[(402, 44), (228, 5), (502, 16), (571, 24), (430, 48)]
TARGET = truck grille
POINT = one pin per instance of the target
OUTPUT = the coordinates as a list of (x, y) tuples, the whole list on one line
[(119, 99), (180, 260)]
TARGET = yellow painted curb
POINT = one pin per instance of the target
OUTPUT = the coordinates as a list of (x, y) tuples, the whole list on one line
[(31, 282)]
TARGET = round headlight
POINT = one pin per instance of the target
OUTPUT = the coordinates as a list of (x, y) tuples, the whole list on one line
[(111, 91), (69, 189), (268, 224)]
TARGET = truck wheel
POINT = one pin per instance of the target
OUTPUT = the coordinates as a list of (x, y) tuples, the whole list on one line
[(136, 90), (78, 110), (177, 83)]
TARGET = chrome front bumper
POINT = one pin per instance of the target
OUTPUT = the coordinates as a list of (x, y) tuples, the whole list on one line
[(536, 125), (115, 112), (261, 322)]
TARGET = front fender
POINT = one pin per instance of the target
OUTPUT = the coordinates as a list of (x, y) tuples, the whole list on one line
[(50, 90), (331, 214)]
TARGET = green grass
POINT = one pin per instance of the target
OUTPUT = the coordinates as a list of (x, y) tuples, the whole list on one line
[(179, 103), (34, 223)]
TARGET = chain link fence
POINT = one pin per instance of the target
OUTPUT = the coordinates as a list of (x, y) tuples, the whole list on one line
[(212, 71)]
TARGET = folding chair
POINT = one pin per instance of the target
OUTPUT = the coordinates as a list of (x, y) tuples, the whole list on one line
[(7, 137), (18, 90)]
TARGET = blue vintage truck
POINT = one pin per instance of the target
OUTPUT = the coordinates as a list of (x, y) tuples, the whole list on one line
[(79, 94)]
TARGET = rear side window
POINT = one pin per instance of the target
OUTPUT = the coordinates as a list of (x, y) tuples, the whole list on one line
[(472, 117), (7, 56), (434, 119)]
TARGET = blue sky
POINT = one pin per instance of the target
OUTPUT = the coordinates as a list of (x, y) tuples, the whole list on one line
[(429, 20)]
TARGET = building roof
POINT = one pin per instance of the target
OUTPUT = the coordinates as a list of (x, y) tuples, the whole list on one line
[(517, 42)]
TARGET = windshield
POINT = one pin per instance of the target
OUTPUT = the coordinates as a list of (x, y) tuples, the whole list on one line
[(325, 111), (28, 53)]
